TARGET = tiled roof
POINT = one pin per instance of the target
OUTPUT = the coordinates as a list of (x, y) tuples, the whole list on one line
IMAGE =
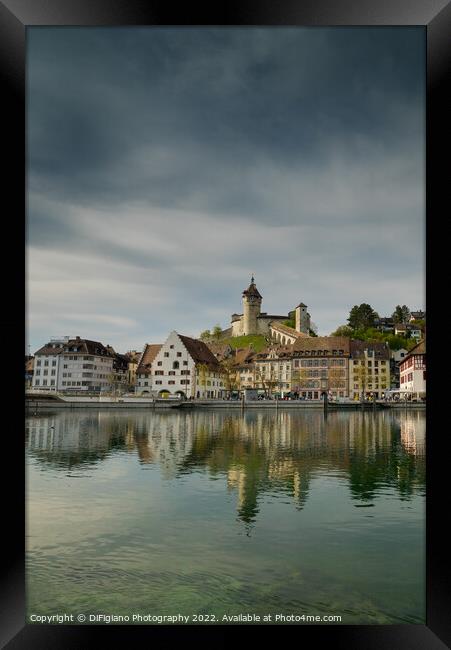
[(220, 350), (86, 346), (199, 351), (252, 290), (329, 343), (285, 329), (420, 348), (380, 349), (49, 349), (150, 352), (243, 356)]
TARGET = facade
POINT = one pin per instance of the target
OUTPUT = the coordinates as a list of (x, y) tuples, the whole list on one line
[(181, 366), (143, 381), (369, 369), (321, 365), (412, 370), (396, 357), (46, 371), (29, 367), (283, 334), (254, 321), (73, 365), (272, 370)]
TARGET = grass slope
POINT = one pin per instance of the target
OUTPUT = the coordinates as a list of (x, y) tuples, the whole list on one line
[(257, 341)]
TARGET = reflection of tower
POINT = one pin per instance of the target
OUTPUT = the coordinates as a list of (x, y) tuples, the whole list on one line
[(247, 484), (300, 487), (252, 301)]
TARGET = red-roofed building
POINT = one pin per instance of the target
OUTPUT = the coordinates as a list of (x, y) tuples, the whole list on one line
[(181, 366)]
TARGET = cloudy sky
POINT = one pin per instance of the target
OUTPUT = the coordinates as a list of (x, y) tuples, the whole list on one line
[(166, 165)]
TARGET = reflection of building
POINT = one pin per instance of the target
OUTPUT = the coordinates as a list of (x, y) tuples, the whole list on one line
[(255, 454), (413, 432)]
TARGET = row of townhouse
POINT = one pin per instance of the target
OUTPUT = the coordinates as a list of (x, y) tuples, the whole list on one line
[(80, 365), (180, 366), (338, 366), (408, 330)]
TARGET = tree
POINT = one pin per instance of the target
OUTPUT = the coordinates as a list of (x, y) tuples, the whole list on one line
[(205, 335), (217, 332), (401, 314), (300, 379), (343, 330), (202, 370), (313, 331), (229, 373), (361, 376), (362, 316), (268, 380)]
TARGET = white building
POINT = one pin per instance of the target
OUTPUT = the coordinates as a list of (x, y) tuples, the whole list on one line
[(412, 370), (47, 365), (73, 365), (181, 366)]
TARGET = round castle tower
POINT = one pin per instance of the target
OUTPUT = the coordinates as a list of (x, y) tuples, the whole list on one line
[(252, 301)]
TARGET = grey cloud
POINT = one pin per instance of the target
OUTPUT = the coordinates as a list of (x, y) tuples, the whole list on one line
[(171, 163)]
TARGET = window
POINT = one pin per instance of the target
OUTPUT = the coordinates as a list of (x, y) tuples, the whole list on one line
[(159, 372), (46, 363), (159, 382), (172, 347), (166, 354), (185, 363), (46, 372), (38, 362), (53, 372), (53, 363), (171, 382), (160, 363), (171, 372), (52, 382), (37, 382), (38, 372), (179, 354), (44, 382), (176, 365)]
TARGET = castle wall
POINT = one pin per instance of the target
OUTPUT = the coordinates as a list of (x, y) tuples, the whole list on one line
[(237, 327)]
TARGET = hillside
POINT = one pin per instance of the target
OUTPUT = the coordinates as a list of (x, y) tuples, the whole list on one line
[(257, 341)]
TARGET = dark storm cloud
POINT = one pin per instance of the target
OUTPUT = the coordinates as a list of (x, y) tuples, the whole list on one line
[(195, 156)]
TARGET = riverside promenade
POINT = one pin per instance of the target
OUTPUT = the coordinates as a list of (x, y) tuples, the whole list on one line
[(36, 402)]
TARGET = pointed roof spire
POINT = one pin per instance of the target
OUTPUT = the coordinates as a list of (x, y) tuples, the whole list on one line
[(252, 289)]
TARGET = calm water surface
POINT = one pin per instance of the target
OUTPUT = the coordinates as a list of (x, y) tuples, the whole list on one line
[(221, 512)]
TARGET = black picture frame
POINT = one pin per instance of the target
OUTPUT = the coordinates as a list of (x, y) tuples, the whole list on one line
[(15, 17)]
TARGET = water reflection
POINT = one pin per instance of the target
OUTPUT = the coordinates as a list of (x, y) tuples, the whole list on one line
[(257, 454)]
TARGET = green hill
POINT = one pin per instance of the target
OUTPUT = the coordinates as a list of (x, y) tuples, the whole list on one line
[(257, 341)]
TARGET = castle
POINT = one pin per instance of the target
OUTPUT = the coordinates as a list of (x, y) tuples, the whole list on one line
[(254, 321)]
